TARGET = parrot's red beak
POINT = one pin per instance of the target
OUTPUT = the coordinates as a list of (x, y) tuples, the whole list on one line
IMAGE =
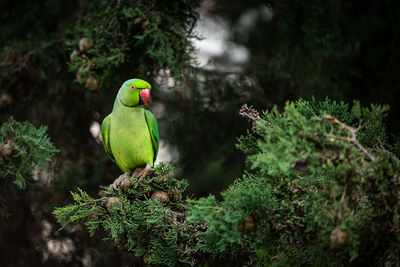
[(145, 96)]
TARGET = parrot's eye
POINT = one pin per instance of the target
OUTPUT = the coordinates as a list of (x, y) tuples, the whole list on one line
[(132, 87)]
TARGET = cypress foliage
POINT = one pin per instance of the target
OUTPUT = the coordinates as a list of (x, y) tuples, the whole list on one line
[(24, 151), (321, 187), (148, 35), (312, 193), (44, 82)]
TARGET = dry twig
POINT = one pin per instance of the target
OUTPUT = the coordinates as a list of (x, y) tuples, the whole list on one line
[(381, 148), (352, 137), (178, 214), (252, 115), (94, 201)]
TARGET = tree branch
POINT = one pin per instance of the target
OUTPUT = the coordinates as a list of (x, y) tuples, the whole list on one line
[(178, 214), (381, 148), (94, 201), (252, 115), (352, 137), (174, 213)]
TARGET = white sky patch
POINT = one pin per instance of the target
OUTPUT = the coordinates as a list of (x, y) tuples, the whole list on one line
[(60, 248), (238, 54), (214, 32), (95, 131), (164, 152), (248, 18), (158, 109)]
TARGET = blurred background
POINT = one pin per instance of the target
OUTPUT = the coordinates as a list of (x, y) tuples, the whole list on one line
[(205, 59)]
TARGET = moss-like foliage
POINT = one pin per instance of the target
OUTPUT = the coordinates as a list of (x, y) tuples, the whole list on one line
[(24, 149), (321, 189)]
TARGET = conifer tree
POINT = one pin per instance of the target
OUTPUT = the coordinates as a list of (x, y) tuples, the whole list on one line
[(320, 188), (316, 182)]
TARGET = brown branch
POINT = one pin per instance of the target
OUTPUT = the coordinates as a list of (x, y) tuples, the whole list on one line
[(341, 200), (94, 201), (343, 193), (178, 214), (174, 213), (352, 137), (381, 148), (252, 115)]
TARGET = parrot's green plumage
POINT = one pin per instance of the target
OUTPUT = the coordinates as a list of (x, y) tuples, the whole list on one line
[(130, 133)]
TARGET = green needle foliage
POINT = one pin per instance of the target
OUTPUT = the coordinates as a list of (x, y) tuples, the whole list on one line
[(138, 219), (24, 150), (321, 188), (147, 35)]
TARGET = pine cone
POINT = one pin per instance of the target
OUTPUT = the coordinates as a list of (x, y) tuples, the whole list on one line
[(85, 44), (338, 238), (113, 202), (160, 195), (6, 151)]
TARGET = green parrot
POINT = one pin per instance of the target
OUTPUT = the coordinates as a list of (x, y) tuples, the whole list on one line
[(130, 133)]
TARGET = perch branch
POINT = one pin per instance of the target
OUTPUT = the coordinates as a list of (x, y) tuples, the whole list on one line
[(174, 213)]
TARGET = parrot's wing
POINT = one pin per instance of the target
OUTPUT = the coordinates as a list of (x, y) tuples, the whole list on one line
[(153, 129), (105, 136)]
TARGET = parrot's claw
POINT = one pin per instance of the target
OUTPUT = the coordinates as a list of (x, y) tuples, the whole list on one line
[(144, 173), (120, 180)]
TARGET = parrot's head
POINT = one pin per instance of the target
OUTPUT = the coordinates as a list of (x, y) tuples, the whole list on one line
[(134, 92)]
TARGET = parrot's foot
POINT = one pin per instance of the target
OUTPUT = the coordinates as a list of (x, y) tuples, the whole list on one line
[(123, 182), (144, 173)]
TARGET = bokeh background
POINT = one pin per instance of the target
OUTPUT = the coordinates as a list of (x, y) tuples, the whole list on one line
[(205, 60)]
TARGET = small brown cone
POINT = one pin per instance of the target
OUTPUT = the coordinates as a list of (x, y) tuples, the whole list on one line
[(73, 56), (160, 195), (126, 184), (92, 215), (146, 258), (120, 244), (175, 195), (6, 100), (113, 202), (338, 238), (85, 44), (246, 225), (6, 151), (93, 84)]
